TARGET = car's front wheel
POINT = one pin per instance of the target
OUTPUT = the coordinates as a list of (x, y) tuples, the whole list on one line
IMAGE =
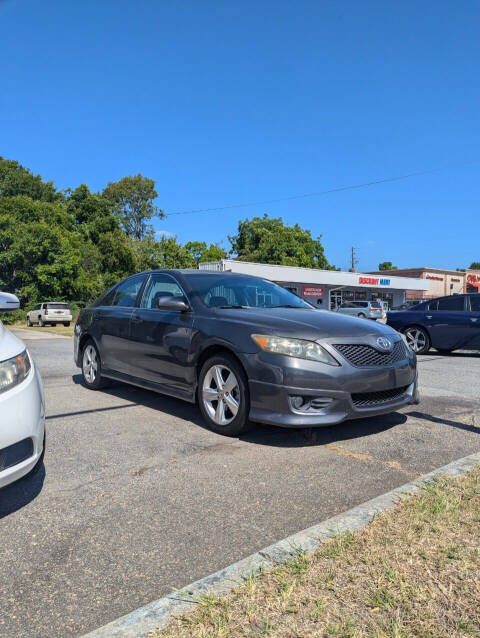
[(92, 367), (417, 339), (29, 323), (40, 322), (223, 395)]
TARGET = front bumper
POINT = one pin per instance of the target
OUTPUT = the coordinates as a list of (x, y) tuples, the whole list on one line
[(22, 411), (271, 404), (274, 380)]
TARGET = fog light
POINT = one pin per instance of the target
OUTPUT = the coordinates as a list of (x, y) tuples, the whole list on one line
[(297, 402)]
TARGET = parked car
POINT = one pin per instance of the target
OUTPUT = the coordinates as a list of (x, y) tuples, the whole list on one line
[(22, 405), (362, 309), (446, 324), (51, 312), (243, 347)]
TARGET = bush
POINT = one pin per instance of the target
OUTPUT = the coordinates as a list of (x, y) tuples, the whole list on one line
[(9, 318)]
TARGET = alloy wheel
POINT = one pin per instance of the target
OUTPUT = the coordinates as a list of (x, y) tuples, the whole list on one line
[(90, 364), (221, 394), (416, 339)]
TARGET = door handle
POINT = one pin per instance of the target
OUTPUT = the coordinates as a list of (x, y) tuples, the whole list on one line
[(136, 319), (428, 316), (473, 318)]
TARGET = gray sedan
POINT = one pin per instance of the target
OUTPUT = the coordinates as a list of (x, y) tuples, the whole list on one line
[(245, 349), (362, 309)]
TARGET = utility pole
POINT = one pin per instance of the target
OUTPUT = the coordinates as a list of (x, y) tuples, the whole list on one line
[(354, 260)]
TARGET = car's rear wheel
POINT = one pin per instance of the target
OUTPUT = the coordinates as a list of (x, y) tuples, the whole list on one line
[(223, 395), (66, 324), (92, 367), (40, 322), (361, 315), (417, 339)]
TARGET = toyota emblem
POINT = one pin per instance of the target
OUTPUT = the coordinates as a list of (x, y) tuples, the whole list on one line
[(384, 344)]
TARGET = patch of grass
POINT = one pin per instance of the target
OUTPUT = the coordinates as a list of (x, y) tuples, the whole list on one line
[(414, 571), (59, 329)]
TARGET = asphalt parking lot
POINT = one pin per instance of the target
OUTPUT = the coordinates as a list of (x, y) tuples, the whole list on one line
[(138, 498)]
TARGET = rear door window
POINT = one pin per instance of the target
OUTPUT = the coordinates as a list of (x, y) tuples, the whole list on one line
[(126, 293), (455, 303), (475, 303)]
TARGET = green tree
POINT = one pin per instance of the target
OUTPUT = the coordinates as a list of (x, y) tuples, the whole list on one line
[(387, 265), (269, 241), (131, 199), (15, 179), (475, 265), (40, 252), (200, 252)]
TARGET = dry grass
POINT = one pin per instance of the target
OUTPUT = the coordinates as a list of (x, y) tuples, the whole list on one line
[(411, 572), (59, 329)]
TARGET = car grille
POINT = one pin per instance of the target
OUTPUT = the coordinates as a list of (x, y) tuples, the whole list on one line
[(369, 399), (362, 356), (16, 453)]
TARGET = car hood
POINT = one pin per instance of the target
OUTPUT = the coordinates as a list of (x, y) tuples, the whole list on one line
[(307, 324), (10, 345)]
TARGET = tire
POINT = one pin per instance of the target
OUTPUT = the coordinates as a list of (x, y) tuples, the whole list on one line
[(418, 339), (361, 315), (29, 323), (92, 374), (53, 325), (66, 324), (218, 415), (40, 322)]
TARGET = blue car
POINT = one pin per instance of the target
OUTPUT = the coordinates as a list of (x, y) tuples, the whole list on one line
[(446, 324)]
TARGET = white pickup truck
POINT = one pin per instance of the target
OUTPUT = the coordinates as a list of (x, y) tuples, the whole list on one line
[(51, 312)]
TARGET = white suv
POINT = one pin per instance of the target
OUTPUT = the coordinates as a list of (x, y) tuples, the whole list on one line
[(52, 312)]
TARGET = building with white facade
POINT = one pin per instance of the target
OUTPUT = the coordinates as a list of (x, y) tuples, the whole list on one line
[(328, 288)]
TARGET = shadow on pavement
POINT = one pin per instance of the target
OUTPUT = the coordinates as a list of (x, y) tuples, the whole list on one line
[(436, 419), (15, 496), (259, 434)]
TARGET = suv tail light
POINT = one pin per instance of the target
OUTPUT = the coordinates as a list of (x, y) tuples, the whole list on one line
[(46, 311)]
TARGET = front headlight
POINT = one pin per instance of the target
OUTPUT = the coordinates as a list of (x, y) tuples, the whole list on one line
[(299, 348), (13, 371)]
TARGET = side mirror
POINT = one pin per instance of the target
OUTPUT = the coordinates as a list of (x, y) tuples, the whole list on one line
[(172, 303), (8, 302)]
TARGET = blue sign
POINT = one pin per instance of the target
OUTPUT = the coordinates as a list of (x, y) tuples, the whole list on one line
[(384, 282)]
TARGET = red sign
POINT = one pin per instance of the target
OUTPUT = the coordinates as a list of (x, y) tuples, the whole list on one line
[(369, 281), (455, 279), (435, 277), (312, 291), (473, 280)]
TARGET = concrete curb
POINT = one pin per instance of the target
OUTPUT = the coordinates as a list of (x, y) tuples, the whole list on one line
[(156, 614)]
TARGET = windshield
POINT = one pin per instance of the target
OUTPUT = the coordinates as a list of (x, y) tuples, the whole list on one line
[(376, 304), (57, 306), (238, 291)]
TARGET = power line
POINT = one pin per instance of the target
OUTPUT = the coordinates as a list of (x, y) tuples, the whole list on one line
[(339, 189)]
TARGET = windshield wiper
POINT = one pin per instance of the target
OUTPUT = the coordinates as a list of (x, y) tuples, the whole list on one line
[(287, 306), (235, 307)]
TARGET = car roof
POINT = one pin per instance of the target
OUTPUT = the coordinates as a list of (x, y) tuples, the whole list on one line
[(194, 271)]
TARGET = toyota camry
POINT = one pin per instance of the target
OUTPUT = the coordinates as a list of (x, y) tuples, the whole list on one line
[(245, 349)]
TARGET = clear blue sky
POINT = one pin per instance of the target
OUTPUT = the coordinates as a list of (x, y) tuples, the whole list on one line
[(224, 102)]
